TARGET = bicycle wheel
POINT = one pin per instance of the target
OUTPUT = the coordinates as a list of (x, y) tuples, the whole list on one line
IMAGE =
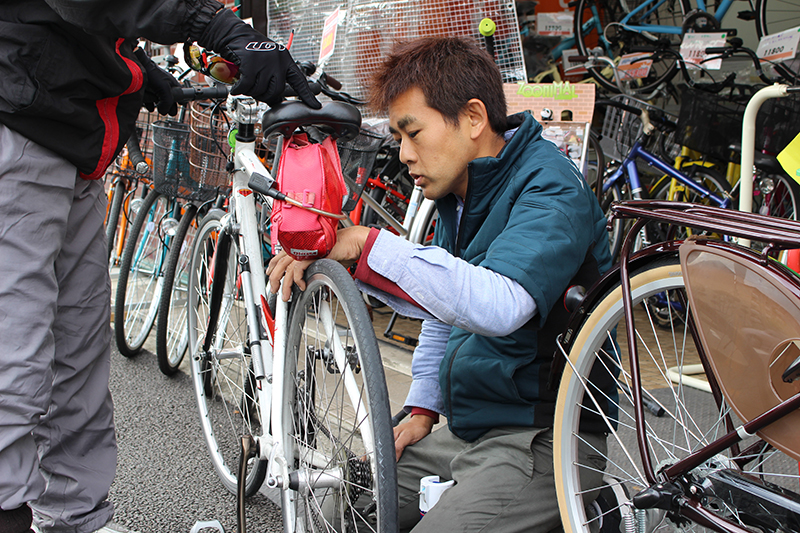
[(337, 411), (597, 170), (680, 418), (776, 16), (394, 198), (172, 337), (113, 220), (616, 230), (598, 23), (223, 377), (707, 177), (140, 276)]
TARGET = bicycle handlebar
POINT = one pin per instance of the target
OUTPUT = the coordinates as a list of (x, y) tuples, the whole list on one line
[(183, 95), (326, 84), (140, 164), (724, 52)]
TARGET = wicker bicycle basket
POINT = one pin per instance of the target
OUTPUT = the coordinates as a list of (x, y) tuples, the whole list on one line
[(209, 150), (358, 157), (170, 158)]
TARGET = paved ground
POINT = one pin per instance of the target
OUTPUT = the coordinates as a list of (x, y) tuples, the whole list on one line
[(165, 482)]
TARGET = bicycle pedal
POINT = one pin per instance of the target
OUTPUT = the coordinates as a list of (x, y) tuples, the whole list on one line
[(411, 341)]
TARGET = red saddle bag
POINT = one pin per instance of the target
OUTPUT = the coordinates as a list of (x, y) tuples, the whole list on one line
[(311, 174)]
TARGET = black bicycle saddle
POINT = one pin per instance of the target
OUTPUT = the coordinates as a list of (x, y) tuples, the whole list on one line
[(343, 119)]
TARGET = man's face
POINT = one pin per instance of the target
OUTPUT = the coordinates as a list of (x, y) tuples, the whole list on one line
[(436, 152)]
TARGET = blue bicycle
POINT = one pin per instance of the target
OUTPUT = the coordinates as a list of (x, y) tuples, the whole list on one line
[(628, 26)]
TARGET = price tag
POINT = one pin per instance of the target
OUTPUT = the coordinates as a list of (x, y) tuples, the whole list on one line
[(554, 24), (634, 66), (693, 49), (779, 46), (328, 37)]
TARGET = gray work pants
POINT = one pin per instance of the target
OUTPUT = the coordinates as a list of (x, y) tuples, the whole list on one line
[(504, 481), (57, 445)]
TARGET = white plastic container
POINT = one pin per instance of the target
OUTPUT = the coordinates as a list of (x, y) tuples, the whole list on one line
[(430, 490)]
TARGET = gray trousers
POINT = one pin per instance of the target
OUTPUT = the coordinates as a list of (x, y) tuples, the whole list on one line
[(57, 445), (504, 481)]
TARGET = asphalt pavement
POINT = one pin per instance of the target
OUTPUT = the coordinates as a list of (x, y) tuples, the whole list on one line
[(165, 482)]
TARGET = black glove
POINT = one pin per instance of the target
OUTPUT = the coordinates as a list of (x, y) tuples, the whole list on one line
[(264, 66), (158, 90)]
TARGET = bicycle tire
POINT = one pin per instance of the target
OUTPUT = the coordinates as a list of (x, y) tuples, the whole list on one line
[(138, 284), (616, 229), (589, 33), (691, 417), (333, 375), (113, 220), (775, 17), (172, 335), (597, 170), (223, 378)]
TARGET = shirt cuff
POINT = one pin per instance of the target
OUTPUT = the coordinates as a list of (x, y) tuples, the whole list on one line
[(365, 274), (427, 412), (424, 392)]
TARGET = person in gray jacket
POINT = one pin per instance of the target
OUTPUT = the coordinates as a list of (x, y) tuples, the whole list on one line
[(71, 87)]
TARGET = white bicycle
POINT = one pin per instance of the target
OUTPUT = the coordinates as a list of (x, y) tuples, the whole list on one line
[(291, 393)]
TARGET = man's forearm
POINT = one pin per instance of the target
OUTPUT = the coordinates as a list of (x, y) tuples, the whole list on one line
[(454, 291)]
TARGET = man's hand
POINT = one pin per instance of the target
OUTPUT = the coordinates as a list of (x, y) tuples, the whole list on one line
[(264, 65), (410, 432), (158, 91), (349, 244)]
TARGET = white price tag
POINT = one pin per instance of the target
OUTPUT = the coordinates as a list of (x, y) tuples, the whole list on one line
[(779, 46), (693, 49), (554, 24), (634, 66)]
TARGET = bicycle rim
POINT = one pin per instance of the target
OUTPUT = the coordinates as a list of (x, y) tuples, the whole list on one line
[(172, 335), (223, 378), (691, 418), (338, 412), (598, 23), (140, 276)]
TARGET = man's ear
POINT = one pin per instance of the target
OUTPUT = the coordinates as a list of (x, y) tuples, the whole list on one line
[(477, 116)]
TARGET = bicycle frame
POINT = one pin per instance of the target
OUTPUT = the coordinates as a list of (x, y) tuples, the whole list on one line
[(649, 7), (628, 172)]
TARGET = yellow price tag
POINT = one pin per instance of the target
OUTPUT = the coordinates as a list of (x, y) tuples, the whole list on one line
[(789, 158)]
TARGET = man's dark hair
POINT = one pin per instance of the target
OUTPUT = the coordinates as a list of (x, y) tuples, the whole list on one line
[(450, 71)]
